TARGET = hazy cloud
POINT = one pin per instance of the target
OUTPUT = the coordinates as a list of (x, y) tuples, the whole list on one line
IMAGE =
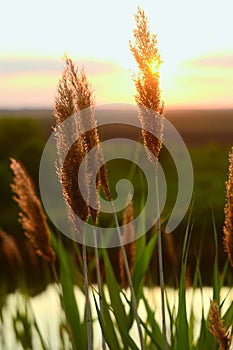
[(213, 61), (28, 65)]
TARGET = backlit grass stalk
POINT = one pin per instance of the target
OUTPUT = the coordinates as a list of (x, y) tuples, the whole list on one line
[(68, 172), (84, 103), (77, 86), (151, 109), (228, 227), (99, 283), (75, 95), (86, 286), (160, 257)]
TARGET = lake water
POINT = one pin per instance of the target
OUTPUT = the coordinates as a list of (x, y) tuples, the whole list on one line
[(46, 308)]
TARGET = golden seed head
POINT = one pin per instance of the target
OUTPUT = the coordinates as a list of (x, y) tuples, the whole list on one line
[(147, 85), (228, 210), (31, 216), (75, 95), (217, 328), (70, 181), (64, 105)]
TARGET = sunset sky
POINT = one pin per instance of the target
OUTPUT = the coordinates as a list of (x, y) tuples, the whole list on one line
[(195, 39)]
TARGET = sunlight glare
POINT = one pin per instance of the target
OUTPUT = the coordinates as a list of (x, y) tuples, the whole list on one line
[(154, 66)]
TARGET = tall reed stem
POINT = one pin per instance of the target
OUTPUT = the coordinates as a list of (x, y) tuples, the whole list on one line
[(98, 275), (160, 257), (88, 309), (134, 302)]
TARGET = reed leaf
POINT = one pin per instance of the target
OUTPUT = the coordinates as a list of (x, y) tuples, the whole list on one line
[(142, 265), (106, 324), (216, 283), (155, 333), (114, 292), (77, 336), (182, 327)]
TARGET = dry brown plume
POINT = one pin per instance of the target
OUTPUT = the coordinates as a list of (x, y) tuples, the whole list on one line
[(31, 215), (228, 226), (146, 81), (9, 250), (128, 235), (68, 171), (84, 102), (64, 105), (74, 95), (217, 328)]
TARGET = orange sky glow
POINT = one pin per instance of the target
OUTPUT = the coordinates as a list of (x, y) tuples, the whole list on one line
[(195, 41)]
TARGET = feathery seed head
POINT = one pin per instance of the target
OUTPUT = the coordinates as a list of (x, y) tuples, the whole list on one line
[(70, 180), (228, 210), (217, 328), (64, 105), (146, 81), (76, 91), (31, 217)]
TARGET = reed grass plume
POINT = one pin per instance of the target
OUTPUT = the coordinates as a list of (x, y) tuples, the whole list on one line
[(75, 95), (151, 108), (78, 90), (128, 234), (217, 328), (148, 94), (9, 250), (228, 210), (68, 172), (84, 102), (31, 215)]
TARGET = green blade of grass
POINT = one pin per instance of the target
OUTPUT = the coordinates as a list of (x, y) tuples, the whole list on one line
[(156, 331), (42, 341), (228, 316), (140, 242), (141, 266), (171, 313), (139, 271), (68, 298), (182, 328), (117, 305), (216, 283), (106, 324), (152, 336)]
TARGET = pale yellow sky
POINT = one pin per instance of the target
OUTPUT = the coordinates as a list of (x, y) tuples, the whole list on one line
[(195, 41)]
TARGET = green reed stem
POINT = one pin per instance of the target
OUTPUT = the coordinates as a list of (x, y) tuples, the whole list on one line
[(98, 275), (134, 302), (160, 257), (88, 309)]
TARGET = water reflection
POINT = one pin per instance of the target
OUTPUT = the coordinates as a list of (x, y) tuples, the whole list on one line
[(47, 311)]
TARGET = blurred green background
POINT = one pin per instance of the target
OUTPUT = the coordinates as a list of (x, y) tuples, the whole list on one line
[(208, 136)]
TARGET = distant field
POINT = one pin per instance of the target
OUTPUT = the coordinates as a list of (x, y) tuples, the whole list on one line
[(204, 126), (207, 134)]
